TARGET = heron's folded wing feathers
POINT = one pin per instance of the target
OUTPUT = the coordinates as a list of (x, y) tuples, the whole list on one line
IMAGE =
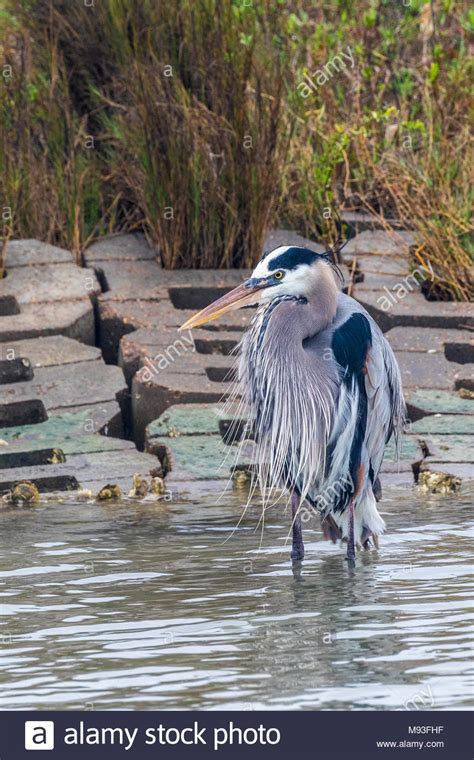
[(385, 399)]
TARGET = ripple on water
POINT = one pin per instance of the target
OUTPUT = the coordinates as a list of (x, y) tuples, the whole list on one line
[(168, 609)]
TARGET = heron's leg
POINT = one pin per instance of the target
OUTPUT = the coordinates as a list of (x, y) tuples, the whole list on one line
[(350, 556), (350, 524), (297, 551)]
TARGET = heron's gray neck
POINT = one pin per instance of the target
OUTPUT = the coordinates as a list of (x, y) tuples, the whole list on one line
[(279, 328), (322, 304), (292, 321)]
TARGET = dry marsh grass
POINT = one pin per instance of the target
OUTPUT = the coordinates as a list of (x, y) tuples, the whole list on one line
[(185, 119)]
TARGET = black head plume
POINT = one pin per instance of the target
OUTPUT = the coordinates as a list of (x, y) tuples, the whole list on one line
[(332, 255)]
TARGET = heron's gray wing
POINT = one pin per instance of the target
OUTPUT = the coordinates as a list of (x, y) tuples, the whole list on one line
[(386, 408)]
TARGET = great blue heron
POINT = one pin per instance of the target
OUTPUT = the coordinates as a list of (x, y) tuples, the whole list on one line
[(323, 392)]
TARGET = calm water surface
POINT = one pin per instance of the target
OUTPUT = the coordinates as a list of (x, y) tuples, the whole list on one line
[(163, 606)]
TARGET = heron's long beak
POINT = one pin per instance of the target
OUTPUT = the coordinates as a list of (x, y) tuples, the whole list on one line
[(242, 295)]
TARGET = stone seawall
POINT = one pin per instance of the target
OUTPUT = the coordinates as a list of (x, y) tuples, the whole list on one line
[(92, 366)]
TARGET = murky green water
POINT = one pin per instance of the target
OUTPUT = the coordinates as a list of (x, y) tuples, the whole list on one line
[(159, 606)]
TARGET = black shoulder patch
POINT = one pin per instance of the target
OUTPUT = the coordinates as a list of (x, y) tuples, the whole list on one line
[(351, 342), (292, 258)]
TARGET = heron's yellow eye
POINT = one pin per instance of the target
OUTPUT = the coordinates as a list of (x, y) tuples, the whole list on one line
[(279, 275)]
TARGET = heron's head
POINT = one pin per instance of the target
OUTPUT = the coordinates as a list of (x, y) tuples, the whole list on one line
[(285, 271)]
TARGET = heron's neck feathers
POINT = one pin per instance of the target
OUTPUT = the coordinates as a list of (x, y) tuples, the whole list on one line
[(322, 295)]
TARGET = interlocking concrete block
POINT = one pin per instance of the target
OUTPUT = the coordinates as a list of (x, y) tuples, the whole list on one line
[(393, 468), (175, 354), (393, 297), (189, 419), (219, 369), (444, 424), (21, 253), (55, 434), (192, 438), (69, 385), (70, 403), (73, 432), (380, 242), (129, 247), (380, 266), (448, 448), (119, 318), (421, 403), (134, 347), (99, 405), (93, 471), (92, 459), (199, 442), (47, 299), (359, 221), (163, 347), (200, 458), (433, 340), (151, 397), (415, 311), (105, 418), (138, 280), (54, 350), (144, 280), (49, 283), (382, 285), (409, 449), (426, 370), (74, 320)]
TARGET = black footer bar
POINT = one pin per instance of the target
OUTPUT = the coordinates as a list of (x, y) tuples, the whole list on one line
[(222, 735)]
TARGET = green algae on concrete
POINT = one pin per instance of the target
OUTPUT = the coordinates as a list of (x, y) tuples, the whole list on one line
[(450, 448), (444, 424), (192, 436), (188, 419), (440, 402), (73, 433), (201, 457), (409, 449)]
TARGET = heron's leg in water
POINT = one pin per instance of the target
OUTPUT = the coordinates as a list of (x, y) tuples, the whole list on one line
[(297, 551), (350, 556), (359, 480)]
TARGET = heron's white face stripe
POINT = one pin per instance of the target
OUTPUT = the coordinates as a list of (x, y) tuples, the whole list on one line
[(262, 270), (301, 267)]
